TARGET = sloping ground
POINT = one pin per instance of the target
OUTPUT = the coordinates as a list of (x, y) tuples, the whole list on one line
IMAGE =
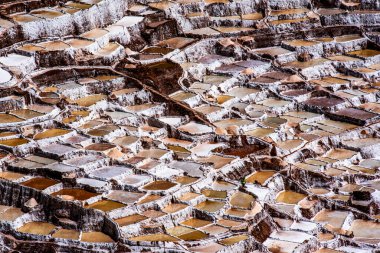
[(179, 126)]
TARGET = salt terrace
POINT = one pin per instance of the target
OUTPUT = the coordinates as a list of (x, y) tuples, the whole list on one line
[(190, 126)]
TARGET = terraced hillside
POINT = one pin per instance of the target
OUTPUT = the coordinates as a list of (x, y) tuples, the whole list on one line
[(190, 126)]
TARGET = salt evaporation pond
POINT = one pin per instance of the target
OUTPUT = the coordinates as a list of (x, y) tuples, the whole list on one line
[(4, 76)]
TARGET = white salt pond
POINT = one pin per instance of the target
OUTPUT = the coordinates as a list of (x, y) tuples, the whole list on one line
[(4, 76)]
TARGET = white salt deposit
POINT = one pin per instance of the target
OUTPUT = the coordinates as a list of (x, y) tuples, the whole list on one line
[(4, 76)]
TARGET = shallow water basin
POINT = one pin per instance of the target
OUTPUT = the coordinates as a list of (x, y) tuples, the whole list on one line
[(26, 114), (242, 200), (54, 132), (105, 205), (149, 198), (14, 142), (186, 180), (125, 196), (210, 206), (54, 45), (154, 238), (39, 183), (187, 234), (24, 18), (30, 48), (159, 185), (66, 234), (74, 194), (214, 194), (79, 43), (260, 176), (189, 196), (217, 161), (289, 197), (365, 53), (11, 176), (174, 207), (131, 219), (46, 13), (37, 228), (221, 99), (366, 229), (8, 118), (90, 100), (301, 43), (195, 223), (96, 237), (233, 239)]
